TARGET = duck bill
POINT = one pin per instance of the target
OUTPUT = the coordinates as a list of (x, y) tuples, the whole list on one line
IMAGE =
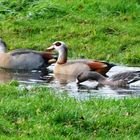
[(51, 48)]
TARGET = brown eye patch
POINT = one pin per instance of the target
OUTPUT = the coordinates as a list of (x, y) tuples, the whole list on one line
[(58, 44)]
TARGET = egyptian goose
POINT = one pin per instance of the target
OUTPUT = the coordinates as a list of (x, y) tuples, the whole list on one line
[(76, 67), (119, 80), (24, 59)]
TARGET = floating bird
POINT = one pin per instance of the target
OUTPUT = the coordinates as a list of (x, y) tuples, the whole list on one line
[(119, 80), (75, 67), (24, 59)]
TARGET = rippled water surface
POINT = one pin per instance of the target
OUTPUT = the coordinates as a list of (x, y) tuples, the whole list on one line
[(62, 83)]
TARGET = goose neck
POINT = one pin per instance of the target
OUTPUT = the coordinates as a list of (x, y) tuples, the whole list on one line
[(62, 57)]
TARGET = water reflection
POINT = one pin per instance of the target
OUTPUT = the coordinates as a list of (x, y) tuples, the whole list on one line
[(64, 79), (5, 76), (67, 83), (21, 76)]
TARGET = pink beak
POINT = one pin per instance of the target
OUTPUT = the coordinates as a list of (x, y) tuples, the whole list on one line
[(50, 48)]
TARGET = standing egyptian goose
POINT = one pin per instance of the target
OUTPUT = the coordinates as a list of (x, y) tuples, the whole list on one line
[(119, 80), (76, 67), (24, 59)]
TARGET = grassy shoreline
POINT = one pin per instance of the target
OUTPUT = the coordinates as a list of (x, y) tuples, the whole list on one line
[(40, 114)]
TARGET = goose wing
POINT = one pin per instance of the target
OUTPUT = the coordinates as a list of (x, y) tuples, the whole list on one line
[(129, 76)]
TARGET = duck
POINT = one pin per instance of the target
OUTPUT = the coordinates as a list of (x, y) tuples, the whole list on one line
[(123, 79), (24, 59), (75, 67)]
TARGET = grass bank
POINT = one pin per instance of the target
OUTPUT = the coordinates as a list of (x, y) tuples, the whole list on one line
[(103, 30), (38, 114)]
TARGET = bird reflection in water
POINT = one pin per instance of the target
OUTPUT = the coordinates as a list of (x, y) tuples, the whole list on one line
[(5, 76)]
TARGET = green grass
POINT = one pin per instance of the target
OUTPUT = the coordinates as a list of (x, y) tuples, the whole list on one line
[(103, 30), (39, 114)]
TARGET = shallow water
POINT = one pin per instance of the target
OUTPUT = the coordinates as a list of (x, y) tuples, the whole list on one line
[(62, 83)]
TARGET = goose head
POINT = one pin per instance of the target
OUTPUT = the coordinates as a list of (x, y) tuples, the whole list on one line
[(3, 46), (88, 75), (58, 46), (61, 48), (82, 77)]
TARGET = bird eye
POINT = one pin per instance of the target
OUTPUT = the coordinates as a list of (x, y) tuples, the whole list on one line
[(57, 44)]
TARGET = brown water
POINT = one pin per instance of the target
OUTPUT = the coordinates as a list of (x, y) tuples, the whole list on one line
[(62, 83)]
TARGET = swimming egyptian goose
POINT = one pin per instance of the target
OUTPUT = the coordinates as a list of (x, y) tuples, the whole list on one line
[(76, 67), (24, 59), (119, 80)]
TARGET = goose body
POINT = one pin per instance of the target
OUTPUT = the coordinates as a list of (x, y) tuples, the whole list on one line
[(119, 80), (76, 67), (23, 59)]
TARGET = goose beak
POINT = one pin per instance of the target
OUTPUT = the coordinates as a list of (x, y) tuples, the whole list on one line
[(52, 61), (50, 48)]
